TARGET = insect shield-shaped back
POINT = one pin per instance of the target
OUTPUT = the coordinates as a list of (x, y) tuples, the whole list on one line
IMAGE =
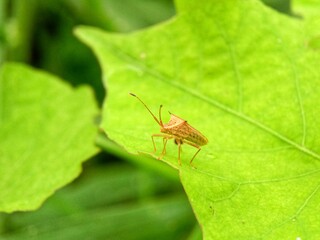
[(181, 129)]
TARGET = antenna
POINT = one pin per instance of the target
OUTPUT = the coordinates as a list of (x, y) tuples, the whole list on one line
[(160, 114), (155, 118)]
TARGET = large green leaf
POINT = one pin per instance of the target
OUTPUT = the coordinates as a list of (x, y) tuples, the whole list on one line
[(247, 78), (46, 131)]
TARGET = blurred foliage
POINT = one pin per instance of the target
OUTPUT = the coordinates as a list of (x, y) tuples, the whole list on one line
[(109, 201), (40, 32), (37, 116), (283, 6)]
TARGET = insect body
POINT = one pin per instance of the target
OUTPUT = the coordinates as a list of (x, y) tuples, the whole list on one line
[(177, 129)]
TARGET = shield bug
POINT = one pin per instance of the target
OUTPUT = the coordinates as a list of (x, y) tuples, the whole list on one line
[(177, 129)]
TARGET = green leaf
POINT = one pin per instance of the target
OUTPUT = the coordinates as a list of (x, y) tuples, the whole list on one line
[(306, 9), (243, 75), (159, 219), (123, 16), (46, 131), (107, 202)]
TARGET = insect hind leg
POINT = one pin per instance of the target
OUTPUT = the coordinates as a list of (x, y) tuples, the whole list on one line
[(196, 146), (199, 148)]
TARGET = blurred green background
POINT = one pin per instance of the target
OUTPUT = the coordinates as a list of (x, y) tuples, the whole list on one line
[(113, 198)]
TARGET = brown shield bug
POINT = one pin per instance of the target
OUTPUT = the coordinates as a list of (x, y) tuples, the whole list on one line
[(177, 129)]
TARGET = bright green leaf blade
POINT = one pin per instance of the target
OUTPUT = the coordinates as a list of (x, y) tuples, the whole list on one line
[(46, 131), (309, 11), (306, 8), (243, 75)]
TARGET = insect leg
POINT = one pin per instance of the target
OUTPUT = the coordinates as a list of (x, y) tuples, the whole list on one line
[(165, 139), (196, 146), (179, 151), (154, 145), (199, 148)]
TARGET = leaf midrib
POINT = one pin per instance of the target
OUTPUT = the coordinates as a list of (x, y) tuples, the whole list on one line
[(132, 60)]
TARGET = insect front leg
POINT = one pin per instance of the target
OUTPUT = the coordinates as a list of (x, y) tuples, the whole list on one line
[(165, 140), (154, 145)]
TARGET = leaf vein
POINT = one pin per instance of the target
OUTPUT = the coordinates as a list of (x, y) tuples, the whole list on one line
[(166, 79), (235, 68), (293, 66)]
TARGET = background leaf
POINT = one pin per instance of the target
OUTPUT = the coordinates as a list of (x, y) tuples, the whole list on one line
[(108, 201), (244, 76), (47, 130)]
